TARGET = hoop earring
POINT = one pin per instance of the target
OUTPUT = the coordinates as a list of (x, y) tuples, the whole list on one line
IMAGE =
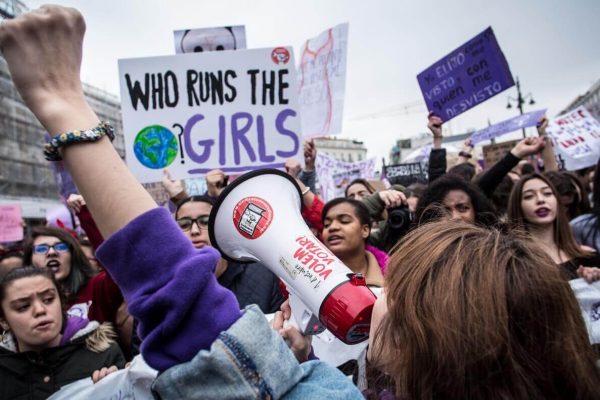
[(4, 333)]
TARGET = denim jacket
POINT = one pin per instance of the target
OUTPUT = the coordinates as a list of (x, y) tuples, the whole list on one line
[(251, 361)]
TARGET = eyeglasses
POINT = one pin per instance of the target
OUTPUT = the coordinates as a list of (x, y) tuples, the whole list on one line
[(60, 247), (186, 223)]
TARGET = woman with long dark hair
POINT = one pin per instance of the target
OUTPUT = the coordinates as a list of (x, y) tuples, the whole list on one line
[(534, 207)]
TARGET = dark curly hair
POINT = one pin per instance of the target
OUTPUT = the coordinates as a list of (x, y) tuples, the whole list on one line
[(429, 207)]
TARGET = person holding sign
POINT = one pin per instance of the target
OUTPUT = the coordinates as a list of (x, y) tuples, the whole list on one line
[(192, 329), (534, 207)]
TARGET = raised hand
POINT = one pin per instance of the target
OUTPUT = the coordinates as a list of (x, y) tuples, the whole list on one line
[(528, 147)]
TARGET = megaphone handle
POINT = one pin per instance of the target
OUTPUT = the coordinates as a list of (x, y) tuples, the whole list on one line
[(303, 318)]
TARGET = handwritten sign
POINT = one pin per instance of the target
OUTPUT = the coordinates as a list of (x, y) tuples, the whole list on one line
[(11, 228), (334, 175), (322, 82), (468, 76), (492, 153), (210, 39), (232, 110), (405, 174), (576, 139), (507, 126)]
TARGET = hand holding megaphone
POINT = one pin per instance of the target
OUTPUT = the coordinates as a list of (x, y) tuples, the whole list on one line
[(257, 218)]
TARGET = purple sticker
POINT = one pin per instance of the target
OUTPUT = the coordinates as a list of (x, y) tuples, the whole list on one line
[(468, 76)]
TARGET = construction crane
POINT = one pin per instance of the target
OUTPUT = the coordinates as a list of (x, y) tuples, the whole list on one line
[(417, 106)]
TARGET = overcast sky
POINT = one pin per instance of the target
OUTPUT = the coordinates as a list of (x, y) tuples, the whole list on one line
[(552, 46)]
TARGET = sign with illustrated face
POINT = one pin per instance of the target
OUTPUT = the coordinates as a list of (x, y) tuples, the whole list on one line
[(201, 40), (465, 78), (231, 110)]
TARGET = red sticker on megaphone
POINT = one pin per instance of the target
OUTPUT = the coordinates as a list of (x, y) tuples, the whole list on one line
[(252, 216)]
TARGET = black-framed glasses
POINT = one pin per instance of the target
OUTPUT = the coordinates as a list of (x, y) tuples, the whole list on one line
[(186, 223), (60, 247)]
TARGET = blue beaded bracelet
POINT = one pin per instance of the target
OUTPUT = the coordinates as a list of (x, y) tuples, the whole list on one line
[(66, 139)]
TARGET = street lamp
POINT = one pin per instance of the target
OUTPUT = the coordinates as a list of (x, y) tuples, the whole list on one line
[(520, 100)]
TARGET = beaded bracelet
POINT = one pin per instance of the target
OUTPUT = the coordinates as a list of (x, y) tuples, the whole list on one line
[(66, 139)]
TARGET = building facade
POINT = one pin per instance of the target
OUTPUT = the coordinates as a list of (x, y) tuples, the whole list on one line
[(590, 100), (26, 177), (346, 150)]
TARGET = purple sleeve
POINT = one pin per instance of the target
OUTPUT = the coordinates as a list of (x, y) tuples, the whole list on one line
[(170, 288)]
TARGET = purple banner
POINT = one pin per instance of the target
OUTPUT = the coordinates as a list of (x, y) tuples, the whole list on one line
[(468, 76), (510, 125)]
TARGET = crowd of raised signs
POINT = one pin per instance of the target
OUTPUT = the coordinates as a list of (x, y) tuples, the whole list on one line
[(484, 279)]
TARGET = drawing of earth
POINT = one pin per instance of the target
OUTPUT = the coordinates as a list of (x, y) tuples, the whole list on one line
[(155, 147)]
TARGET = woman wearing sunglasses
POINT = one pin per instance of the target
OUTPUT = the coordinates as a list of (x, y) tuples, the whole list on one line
[(95, 297)]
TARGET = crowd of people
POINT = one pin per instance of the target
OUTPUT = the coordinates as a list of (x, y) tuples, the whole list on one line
[(471, 272)]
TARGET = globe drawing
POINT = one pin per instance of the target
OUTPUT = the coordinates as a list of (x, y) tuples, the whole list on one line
[(155, 147)]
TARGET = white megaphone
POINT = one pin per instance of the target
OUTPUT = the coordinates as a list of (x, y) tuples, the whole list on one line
[(257, 218)]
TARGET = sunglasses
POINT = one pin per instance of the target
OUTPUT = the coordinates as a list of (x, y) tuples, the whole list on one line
[(186, 223), (60, 247)]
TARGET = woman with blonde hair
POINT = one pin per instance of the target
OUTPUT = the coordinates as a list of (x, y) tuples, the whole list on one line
[(481, 314)]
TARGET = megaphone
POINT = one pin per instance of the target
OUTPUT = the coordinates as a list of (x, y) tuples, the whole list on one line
[(257, 218)]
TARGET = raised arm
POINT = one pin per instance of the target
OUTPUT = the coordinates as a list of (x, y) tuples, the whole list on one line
[(548, 153), (437, 157), (52, 37)]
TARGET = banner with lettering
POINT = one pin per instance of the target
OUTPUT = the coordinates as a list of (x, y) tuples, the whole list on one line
[(468, 76), (335, 175), (232, 110), (322, 82), (510, 125), (405, 174), (576, 139)]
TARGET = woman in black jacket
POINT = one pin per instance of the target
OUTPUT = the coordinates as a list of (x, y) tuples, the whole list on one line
[(41, 349)]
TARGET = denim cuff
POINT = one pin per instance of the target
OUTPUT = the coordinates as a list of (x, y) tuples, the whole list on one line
[(249, 360)]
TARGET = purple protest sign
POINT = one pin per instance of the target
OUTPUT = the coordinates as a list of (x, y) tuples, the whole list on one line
[(507, 126), (468, 76)]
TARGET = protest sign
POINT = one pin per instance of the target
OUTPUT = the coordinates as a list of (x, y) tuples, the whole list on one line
[(492, 153), (510, 125), (420, 154), (60, 216), (335, 175), (468, 76), (405, 174), (11, 225), (322, 82), (588, 297), (210, 39), (232, 110), (576, 139)]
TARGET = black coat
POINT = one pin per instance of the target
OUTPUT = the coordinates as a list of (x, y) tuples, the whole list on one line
[(31, 375)]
